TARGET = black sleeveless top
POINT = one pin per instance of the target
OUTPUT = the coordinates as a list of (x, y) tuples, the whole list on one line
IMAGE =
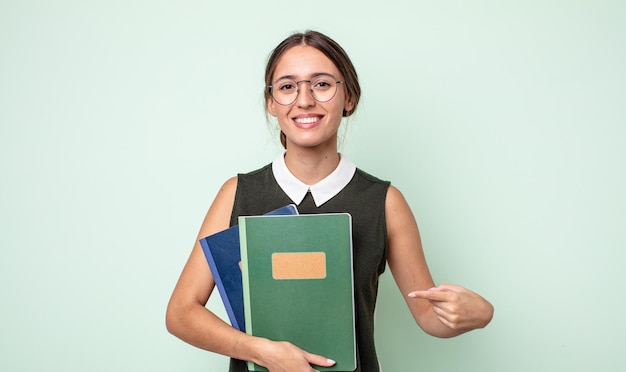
[(364, 198)]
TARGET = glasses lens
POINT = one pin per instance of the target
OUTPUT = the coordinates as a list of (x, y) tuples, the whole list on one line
[(322, 88), (285, 91)]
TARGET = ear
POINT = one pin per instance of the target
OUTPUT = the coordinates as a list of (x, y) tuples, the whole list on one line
[(349, 105), (270, 106)]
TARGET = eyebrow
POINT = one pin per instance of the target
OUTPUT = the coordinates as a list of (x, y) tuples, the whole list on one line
[(313, 76)]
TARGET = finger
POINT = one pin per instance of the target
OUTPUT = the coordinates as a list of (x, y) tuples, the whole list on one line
[(448, 313), (431, 295), (450, 320), (444, 310), (445, 321), (319, 360)]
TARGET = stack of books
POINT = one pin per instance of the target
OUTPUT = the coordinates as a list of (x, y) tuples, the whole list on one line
[(289, 277)]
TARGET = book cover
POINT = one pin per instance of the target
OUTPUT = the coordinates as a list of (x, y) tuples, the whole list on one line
[(223, 255), (298, 283)]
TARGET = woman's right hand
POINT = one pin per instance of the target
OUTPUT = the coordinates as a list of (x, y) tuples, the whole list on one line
[(287, 357)]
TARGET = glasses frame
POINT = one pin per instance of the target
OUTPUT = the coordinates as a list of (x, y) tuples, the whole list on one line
[(297, 83)]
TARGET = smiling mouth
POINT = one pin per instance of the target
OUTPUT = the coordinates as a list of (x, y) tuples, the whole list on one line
[(309, 120)]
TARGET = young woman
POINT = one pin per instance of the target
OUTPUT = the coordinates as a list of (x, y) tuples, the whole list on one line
[(310, 85)]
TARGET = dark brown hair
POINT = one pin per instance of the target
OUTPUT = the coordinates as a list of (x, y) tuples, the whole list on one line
[(332, 50)]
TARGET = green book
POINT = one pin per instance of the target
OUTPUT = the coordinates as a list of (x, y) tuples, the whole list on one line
[(298, 283)]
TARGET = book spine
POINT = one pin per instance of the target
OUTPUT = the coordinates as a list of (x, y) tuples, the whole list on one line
[(219, 283), (243, 250)]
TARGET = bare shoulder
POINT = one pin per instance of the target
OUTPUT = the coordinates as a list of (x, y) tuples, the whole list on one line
[(397, 209), (394, 197), (228, 189), (218, 216)]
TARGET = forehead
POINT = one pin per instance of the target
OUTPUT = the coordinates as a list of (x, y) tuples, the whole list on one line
[(303, 61)]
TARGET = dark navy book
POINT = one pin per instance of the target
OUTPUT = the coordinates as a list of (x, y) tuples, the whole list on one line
[(222, 253)]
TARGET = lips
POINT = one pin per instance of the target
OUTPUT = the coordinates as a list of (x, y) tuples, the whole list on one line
[(307, 121)]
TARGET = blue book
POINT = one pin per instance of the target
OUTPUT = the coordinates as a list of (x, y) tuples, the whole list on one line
[(223, 255)]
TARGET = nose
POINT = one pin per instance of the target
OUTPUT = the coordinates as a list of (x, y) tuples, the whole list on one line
[(305, 94)]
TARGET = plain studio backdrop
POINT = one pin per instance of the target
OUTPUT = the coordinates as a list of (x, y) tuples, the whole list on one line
[(502, 122)]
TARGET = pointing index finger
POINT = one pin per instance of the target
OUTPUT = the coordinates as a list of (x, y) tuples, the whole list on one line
[(432, 295)]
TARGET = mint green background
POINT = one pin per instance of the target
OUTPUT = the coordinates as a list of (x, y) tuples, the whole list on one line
[(503, 122)]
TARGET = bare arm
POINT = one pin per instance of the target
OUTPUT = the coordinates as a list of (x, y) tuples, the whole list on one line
[(189, 319), (186, 316), (443, 311)]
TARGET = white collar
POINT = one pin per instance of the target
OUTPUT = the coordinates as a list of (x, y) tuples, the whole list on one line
[(322, 191)]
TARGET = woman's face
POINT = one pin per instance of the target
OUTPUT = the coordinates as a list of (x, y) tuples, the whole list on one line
[(307, 122)]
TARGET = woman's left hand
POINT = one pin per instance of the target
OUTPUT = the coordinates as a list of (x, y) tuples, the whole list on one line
[(456, 307)]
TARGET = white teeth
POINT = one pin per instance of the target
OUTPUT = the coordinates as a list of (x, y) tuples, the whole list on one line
[(307, 120)]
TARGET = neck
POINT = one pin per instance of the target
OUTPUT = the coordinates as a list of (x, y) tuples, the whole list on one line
[(311, 166)]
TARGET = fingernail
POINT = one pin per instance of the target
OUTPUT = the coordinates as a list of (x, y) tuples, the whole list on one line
[(411, 294), (330, 361)]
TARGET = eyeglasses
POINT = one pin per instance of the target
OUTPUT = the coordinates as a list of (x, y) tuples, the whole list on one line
[(322, 88)]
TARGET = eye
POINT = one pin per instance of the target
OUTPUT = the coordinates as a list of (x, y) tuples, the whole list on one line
[(322, 84), (287, 86)]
